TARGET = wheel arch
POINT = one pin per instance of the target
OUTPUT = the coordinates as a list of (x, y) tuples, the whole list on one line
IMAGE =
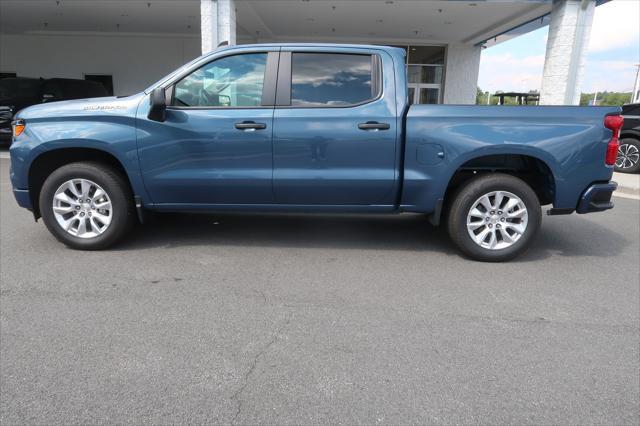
[(532, 169), (48, 161)]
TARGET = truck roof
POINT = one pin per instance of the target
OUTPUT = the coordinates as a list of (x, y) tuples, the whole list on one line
[(327, 45)]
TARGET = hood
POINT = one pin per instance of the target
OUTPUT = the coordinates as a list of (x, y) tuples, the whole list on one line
[(111, 105)]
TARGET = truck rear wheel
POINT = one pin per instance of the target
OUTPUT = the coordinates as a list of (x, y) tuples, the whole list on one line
[(494, 218), (87, 206)]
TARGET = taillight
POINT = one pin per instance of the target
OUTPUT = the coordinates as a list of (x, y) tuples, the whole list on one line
[(613, 123)]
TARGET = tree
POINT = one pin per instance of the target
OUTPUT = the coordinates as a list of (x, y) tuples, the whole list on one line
[(607, 98)]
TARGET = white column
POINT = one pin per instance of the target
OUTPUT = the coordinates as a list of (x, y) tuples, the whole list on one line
[(208, 25), (635, 95), (567, 43), (227, 21), (461, 74)]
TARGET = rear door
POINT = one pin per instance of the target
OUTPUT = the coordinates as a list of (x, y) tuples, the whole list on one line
[(334, 129)]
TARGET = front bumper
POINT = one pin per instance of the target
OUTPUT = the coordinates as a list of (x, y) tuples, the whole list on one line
[(23, 198), (597, 198)]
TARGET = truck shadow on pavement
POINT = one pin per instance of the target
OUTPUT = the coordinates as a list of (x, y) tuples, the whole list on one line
[(570, 236)]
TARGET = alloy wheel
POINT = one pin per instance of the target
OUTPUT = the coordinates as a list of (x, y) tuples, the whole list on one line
[(82, 208), (628, 156), (497, 220)]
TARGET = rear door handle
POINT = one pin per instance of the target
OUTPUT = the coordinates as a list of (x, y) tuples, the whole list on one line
[(250, 125), (373, 125)]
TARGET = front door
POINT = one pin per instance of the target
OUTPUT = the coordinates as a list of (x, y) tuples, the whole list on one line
[(334, 129), (215, 146)]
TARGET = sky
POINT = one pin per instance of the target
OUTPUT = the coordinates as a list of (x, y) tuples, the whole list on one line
[(614, 49)]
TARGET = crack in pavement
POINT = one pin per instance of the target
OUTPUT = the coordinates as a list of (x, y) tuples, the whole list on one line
[(236, 395)]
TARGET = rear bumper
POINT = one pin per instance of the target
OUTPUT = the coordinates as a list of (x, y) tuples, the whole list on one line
[(596, 198)]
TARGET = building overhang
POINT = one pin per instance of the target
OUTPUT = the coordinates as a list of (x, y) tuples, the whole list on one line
[(532, 25), (389, 21)]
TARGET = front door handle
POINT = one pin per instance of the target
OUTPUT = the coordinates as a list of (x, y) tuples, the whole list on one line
[(373, 125), (250, 125)]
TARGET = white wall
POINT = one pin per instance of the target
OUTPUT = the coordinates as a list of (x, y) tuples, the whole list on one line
[(461, 74), (134, 61)]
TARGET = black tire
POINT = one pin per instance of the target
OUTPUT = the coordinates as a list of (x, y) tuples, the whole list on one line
[(118, 190), (463, 201), (629, 145)]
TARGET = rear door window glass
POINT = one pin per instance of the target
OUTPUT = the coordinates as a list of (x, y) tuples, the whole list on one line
[(331, 79)]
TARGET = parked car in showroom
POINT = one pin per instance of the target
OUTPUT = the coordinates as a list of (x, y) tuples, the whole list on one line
[(628, 160), (17, 93)]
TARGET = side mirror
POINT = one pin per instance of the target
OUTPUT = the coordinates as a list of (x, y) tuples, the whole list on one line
[(158, 105)]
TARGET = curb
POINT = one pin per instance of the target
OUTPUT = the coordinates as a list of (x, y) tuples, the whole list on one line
[(628, 185)]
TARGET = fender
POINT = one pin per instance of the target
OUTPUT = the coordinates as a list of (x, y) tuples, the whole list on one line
[(102, 124), (524, 150), (128, 160)]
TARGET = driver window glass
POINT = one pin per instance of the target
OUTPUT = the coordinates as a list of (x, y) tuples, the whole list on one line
[(233, 81)]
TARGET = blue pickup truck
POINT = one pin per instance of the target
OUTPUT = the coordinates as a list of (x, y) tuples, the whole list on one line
[(309, 128)]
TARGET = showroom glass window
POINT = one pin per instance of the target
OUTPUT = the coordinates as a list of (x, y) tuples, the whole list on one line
[(425, 73), (233, 82), (331, 79)]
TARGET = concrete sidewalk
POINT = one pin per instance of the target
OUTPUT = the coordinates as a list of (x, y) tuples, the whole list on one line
[(628, 185)]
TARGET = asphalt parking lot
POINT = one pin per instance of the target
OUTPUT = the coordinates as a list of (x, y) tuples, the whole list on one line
[(286, 319)]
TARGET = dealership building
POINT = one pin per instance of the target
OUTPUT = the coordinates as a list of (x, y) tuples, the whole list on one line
[(128, 45)]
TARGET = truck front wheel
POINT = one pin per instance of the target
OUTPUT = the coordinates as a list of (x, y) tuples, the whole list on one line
[(87, 206), (494, 218)]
